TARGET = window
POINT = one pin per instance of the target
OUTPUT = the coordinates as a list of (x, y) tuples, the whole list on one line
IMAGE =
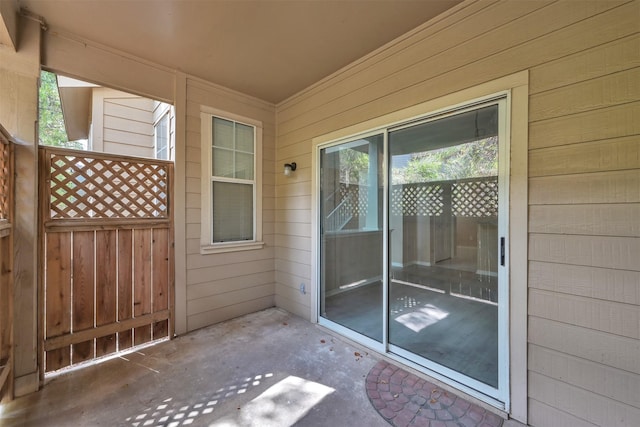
[(231, 196), (161, 134)]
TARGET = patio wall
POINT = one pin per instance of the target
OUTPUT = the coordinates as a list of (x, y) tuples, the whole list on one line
[(227, 285), (584, 174), (209, 288)]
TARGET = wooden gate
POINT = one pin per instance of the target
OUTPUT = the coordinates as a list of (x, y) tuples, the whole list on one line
[(107, 251), (6, 265)]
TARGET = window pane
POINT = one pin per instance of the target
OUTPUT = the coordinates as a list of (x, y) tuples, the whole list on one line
[(244, 138), (244, 166), (222, 133), (222, 162), (162, 138), (232, 212)]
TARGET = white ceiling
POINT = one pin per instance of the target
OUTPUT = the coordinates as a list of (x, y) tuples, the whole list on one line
[(266, 48)]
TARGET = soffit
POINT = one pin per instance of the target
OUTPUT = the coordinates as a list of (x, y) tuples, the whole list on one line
[(267, 49)]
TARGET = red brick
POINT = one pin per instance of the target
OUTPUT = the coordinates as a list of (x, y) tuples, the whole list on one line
[(476, 414), (395, 406), (461, 403), (408, 391), (492, 420), (420, 421), (444, 415), (402, 420), (429, 413), (386, 395), (456, 412), (373, 394), (402, 399), (378, 403), (387, 413), (419, 400), (467, 422)]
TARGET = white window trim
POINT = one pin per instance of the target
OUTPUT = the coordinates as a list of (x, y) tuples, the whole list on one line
[(206, 244)]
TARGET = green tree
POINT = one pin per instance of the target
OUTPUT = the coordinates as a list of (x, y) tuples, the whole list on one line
[(52, 131), (473, 159), (354, 167)]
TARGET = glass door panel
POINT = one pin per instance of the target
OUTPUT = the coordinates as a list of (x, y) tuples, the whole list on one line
[(443, 242), (351, 243)]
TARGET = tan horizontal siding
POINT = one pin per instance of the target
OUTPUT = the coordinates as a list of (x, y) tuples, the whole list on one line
[(237, 296), (603, 380), (607, 349), (601, 411), (226, 285), (621, 220), (601, 92), (131, 126), (602, 60), (200, 320), (602, 187), (546, 415), (583, 60), (127, 111), (605, 123), (595, 251), (618, 318), (597, 156), (290, 304), (593, 282)]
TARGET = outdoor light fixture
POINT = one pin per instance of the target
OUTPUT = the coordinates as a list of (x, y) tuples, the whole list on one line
[(289, 167)]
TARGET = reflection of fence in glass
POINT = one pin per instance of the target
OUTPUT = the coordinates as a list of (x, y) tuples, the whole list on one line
[(471, 198), (82, 188)]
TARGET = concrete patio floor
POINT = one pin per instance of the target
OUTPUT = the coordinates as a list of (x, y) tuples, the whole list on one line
[(265, 369)]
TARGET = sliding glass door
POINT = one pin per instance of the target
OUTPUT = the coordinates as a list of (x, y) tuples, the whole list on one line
[(443, 206), (351, 243), (412, 237)]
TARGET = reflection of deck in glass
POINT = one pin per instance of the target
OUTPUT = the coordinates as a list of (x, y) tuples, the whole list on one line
[(446, 315)]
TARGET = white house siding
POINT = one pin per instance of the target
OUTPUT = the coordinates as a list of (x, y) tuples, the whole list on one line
[(584, 179), (226, 285), (159, 110), (122, 123)]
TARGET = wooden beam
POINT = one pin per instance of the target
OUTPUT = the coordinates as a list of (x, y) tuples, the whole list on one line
[(112, 328)]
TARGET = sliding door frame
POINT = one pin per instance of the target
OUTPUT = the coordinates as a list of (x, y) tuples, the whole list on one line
[(512, 386)]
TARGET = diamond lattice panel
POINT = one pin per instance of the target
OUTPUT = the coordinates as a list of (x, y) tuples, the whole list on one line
[(86, 187), (5, 177), (476, 199)]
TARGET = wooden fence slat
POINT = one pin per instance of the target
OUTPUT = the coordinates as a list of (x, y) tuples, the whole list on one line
[(125, 285), (105, 288), (106, 224), (142, 285), (160, 271), (83, 292), (58, 296)]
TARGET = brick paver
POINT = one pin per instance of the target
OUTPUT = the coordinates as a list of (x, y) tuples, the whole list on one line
[(405, 400)]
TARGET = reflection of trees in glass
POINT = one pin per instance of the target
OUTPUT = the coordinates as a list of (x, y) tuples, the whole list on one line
[(354, 167), (52, 131), (473, 159)]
